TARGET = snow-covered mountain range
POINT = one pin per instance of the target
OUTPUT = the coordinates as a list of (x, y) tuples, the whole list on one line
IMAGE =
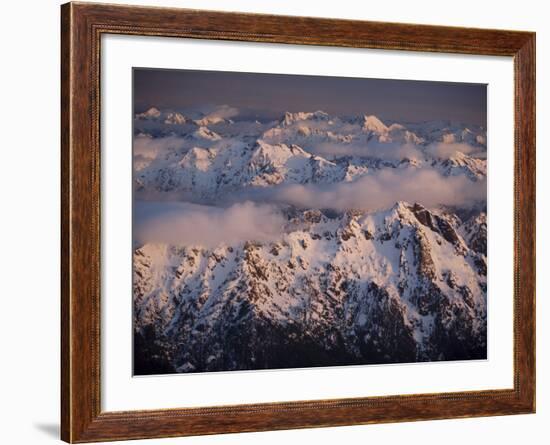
[(311, 240)]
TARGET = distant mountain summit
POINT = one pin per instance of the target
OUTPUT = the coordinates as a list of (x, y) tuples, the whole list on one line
[(302, 148), (291, 118), (372, 123), (165, 117)]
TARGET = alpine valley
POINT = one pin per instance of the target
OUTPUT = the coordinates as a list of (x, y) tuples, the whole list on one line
[(309, 240)]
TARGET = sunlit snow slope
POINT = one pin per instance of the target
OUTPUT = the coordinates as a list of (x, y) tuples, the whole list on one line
[(313, 240)]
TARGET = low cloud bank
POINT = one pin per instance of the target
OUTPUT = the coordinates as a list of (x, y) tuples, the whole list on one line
[(191, 224), (148, 147), (377, 191), (447, 150), (255, 215)]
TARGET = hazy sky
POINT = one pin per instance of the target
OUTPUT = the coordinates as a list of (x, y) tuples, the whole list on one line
[(268, 96)]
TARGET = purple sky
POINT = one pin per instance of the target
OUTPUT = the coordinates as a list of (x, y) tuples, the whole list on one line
[(268, 96)]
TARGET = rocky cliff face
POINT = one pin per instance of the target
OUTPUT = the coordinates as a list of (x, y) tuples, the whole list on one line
[(402, 285)]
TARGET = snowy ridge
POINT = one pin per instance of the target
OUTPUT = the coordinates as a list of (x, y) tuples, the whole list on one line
[(302, 148), (403, 282), (390, 286)]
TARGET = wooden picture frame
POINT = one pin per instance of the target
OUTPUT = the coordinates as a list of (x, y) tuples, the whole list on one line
[(82, 26)]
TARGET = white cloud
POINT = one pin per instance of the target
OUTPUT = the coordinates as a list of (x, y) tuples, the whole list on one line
[(146, 146), (379, 190), (191, 224), (443, 150)]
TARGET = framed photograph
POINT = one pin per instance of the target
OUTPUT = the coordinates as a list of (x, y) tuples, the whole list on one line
[(275, 222)]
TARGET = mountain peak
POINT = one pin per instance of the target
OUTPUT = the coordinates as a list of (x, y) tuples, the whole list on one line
[(283, 289), (205, 133), (212, 119), (151, 113), (372, 123), (175, 118), (290, 118)]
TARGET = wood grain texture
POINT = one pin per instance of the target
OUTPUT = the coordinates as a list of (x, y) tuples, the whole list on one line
[(82, 26)]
